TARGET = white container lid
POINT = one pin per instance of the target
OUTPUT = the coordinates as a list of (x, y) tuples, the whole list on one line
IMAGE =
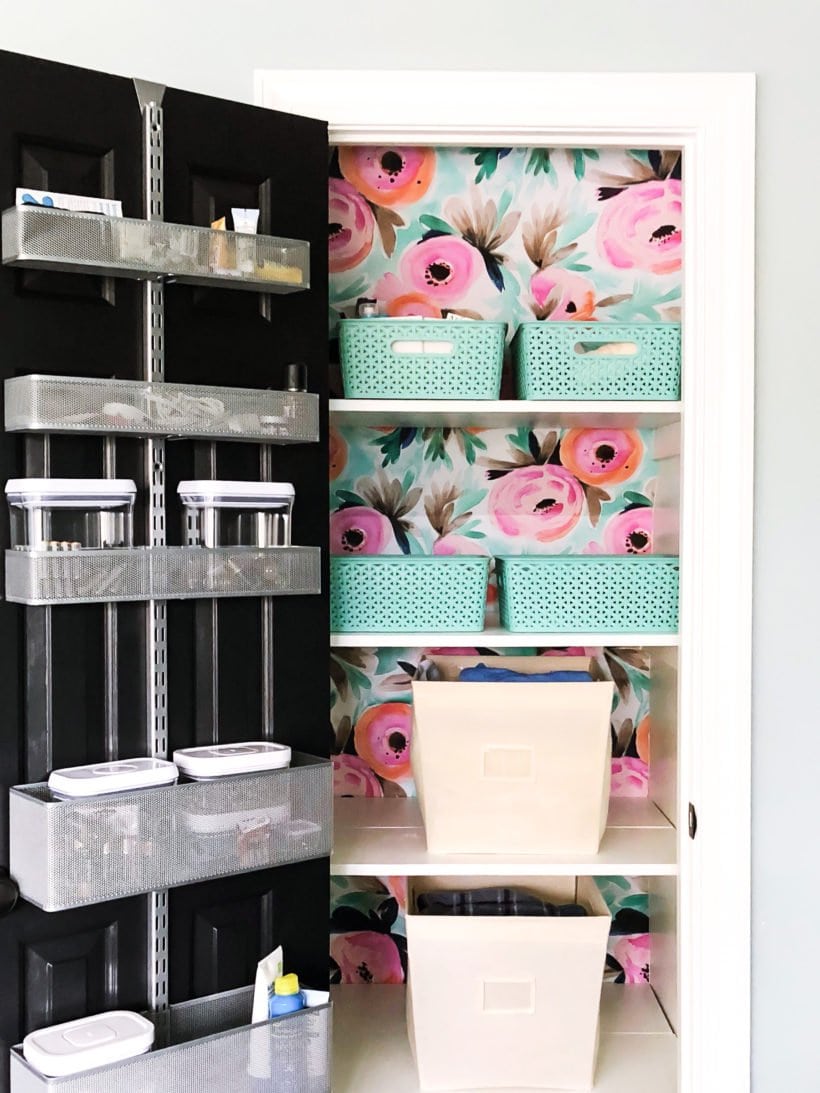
[(92, 1041), (71, 492), (114, 777), (220, 759), (221, 494)]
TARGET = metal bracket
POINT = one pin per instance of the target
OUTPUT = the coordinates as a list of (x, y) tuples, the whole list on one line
[(150, 98), (267, 608), (39, 757)]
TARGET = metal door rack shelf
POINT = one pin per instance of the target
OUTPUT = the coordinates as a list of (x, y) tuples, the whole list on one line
[(80, 405), (39, 577), (208, 1045), (152, 250), (70, 852)]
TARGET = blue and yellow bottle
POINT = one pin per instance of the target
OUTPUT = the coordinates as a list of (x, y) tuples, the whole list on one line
[(286, 996)]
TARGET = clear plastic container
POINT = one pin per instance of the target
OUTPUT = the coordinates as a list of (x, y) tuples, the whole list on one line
[(254, 514), (71, 513)]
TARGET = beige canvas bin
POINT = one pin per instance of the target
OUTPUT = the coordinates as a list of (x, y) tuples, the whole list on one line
[(506, 1003), (512, 768)]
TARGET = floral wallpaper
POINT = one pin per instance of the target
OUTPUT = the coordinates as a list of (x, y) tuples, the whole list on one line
[(507, 233), (368, 937), (372, 718), (501, 234)]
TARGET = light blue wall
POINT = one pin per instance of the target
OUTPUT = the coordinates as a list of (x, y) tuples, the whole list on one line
[(213, 48)]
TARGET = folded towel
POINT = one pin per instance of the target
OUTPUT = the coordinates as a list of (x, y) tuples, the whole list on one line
[(494, 902), (482, 674)]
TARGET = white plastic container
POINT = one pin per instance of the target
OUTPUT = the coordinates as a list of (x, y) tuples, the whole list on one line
[(115, 777), (89, 1042), (219, 760), (219, 513), (518, 998), (512, 768), (71, 513)]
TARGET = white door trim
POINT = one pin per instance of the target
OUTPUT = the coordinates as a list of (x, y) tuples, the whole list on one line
[(712, 118)]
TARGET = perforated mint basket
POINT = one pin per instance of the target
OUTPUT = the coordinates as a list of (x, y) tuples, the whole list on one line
[(428, 358), (566, 361), (570, 594), (407, 594)]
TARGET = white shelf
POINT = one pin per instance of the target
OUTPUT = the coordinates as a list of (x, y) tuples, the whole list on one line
[(495, 637), (385, 837), (371, 1054), (502, 413)]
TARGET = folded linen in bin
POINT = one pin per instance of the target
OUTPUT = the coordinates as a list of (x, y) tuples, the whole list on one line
[(482, 674), (493, 901)]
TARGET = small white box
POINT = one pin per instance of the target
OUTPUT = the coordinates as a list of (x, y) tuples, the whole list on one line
[(506, 1003), (114, 777), (218, 760), (512, 768), (89, 1042)]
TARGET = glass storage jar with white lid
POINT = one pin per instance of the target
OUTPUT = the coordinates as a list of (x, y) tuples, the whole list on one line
[(71, 513), (220, 513)]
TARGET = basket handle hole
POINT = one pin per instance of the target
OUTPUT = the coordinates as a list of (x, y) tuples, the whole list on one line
[(606, 349), (429, 348)]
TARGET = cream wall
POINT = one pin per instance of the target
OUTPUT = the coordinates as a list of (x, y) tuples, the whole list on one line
[(213, 48)]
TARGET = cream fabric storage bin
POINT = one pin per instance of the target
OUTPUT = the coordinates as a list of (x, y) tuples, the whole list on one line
[(512, 768), (506, 1003)]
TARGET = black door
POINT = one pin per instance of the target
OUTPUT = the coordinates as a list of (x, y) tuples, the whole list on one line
[(69, 130), (77, 131), (221, 155)]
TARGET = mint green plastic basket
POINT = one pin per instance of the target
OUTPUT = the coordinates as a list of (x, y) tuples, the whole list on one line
[(604, 593), (428, 358), (407, 594), (557, 361)]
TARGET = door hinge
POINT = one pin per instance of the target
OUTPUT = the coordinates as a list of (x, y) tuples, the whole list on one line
[(693, 821)]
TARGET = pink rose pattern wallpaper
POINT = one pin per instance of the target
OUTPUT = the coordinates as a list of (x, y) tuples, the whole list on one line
[(368, 942), (507, 233), (513, 235)]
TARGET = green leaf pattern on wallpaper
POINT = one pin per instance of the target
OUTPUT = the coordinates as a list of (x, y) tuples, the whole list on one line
[(513, 235), (507, 234)]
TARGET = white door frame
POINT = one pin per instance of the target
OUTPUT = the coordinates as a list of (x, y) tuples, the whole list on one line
[(711, 117)]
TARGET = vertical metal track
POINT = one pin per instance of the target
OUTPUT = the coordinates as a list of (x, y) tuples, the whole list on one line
[(266, 475), (156, 620), (39, 757), (111, 702), (206, 641)]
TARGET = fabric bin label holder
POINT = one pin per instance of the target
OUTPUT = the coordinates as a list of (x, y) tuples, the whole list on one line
[(558, 360), (209, 1046), (77, 851)]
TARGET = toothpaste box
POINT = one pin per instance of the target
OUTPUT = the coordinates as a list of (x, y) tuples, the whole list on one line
[(73, 202)]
